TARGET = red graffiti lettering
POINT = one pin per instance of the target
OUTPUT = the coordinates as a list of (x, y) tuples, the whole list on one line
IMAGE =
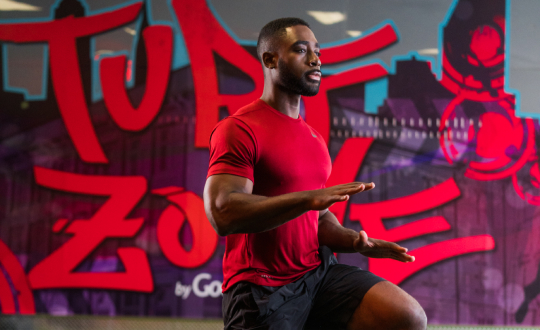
[(202, 41), (23, 293), (317, 108), (526, 181), (56, 271), (158, 43), (396, 272), (370, 216), (6, 297), (367, 44), (502, 154), (186, 205), (345, 168), (61, 35)]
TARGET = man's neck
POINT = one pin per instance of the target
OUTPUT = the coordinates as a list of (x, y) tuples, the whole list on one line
[(284, 102)]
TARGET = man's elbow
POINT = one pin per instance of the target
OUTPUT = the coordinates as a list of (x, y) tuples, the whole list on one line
[(220, 228), (219, 221)]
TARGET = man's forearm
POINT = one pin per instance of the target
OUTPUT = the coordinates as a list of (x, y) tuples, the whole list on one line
[(233, 209), (247, 213), (334, 235)]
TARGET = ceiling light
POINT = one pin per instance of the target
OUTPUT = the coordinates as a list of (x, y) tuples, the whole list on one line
[(327, 17), (11, 5), (429, 51), (130, 31), (354, 33)]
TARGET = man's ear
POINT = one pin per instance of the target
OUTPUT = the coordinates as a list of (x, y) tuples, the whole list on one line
[(269, 60)]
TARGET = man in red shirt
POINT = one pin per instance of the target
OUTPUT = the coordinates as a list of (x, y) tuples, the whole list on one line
[(266, 192)]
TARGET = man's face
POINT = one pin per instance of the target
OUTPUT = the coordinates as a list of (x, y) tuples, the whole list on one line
[(298, 64)]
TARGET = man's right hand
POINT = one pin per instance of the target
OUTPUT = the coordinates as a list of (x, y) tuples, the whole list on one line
[(322, 199)]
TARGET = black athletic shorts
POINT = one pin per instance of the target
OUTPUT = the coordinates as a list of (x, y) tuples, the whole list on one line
[(324, 298)]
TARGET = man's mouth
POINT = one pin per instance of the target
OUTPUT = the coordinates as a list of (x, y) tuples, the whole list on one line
[(314, 75)]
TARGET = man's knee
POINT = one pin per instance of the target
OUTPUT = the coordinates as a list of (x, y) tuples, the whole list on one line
[(413, 318), (388, 307), (409, 317)]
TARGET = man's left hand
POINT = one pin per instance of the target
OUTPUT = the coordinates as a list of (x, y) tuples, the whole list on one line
[(376, 248)]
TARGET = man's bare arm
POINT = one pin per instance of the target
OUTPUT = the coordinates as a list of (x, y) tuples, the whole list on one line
[(232, 208), (341, 239), (334, 235)]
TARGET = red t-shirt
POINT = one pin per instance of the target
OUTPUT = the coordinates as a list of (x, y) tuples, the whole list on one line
[(280, 155)]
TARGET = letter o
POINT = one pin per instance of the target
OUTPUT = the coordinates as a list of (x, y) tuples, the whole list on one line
[(195, 286), (214, 289)]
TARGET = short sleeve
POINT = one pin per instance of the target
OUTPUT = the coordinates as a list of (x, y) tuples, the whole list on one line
[(232, 149)]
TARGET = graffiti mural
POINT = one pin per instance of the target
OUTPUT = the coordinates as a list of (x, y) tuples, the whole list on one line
[(102, 174)]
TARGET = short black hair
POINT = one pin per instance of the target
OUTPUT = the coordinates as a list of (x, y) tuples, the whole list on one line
[(273, 29)]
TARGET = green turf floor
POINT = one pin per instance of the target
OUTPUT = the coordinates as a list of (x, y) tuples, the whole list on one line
[(46, 322)]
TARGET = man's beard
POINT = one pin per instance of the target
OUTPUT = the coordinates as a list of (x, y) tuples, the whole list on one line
[(294, 84)]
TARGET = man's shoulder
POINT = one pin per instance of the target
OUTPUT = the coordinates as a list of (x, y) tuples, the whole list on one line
[(251, 111), (242, 119), (246, 119)]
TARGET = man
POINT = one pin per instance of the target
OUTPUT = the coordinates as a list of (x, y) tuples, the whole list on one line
[(266, 192)]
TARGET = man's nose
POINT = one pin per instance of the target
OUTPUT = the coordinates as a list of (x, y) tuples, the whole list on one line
[(314, 60)]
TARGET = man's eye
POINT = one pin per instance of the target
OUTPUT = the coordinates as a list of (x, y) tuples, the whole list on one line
[(301, 50), (318, 54)]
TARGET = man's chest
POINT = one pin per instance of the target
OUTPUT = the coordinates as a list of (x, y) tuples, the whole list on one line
[(291, 160)]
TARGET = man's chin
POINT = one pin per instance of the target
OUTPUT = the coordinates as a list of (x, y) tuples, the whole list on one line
[(311, 87), (310, 92)]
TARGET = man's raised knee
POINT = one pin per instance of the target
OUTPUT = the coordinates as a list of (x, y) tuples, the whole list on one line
[(413, 318)]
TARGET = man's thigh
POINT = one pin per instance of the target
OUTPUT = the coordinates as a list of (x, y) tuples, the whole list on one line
[(248, 306), (239, 308), (340, 294), (386, 306)]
